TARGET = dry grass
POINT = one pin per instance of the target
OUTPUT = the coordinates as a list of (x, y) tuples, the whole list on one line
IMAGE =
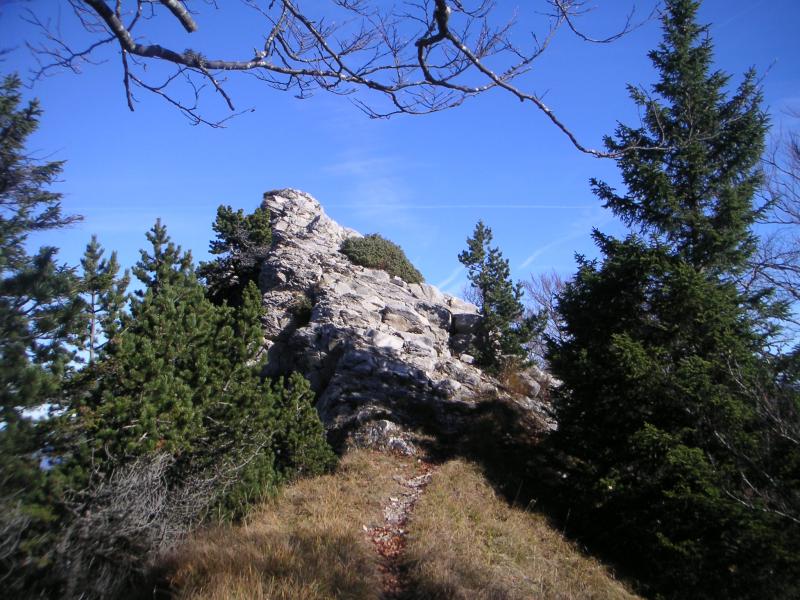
[(465, 542), (307, 544), (510, 378)]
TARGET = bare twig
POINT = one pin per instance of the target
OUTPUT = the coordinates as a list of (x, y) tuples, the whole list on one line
[(421, 56), (541, 295), (776, 263)]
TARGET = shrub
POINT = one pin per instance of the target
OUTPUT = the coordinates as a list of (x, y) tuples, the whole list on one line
[(376, 252), (301, 308)]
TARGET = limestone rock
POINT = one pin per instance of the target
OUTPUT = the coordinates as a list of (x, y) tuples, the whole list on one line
[(376, 349)]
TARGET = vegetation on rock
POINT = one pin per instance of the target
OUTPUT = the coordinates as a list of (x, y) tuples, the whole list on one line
[(242, 243), (376, 252), (301, 308)]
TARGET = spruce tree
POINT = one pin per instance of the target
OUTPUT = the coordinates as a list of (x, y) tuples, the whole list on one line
[(242, 243), (104, 296), (38, 325), (659, 352), (503, 331)]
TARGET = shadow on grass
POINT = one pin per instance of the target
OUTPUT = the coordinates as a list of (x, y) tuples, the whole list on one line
[(513, 449)]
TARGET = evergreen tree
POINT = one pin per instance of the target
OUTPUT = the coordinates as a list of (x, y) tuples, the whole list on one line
[(38, 323), (36, 312), (104, 295), (503, 330), (243, 241), (660, 350), (184, 378), (167, 263)]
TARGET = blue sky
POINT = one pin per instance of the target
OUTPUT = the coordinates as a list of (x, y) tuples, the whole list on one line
[(420, 181)]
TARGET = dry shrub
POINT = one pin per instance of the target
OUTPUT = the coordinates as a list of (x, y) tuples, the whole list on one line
[(466, 543), (306, 544), (14, 523), (122, 522), (510, 377)]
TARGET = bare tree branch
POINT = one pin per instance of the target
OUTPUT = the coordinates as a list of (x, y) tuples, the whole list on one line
[(180, 12), (541, 295), (776, 262), (420, 56), (568, 10), (761, 488)]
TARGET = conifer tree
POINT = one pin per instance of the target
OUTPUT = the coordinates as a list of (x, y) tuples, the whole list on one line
[(243, 241), (36, 312), (104, 295), (184, 378), (38, 325), (503, 330), (167, 263), (660, 349)]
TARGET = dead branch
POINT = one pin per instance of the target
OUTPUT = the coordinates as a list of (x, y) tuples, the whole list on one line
[(123, 521), (420, 56)]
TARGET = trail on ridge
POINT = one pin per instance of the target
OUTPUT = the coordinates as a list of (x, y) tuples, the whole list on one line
[(389, 539)]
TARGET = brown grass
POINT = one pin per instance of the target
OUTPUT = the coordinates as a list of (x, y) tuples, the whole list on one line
[(465, 542), (510, 378), (307, 544)]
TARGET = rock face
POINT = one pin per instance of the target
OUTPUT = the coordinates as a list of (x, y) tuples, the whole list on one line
[(387, 359)]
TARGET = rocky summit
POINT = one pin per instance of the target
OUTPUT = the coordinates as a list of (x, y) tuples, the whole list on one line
[(388, 360)]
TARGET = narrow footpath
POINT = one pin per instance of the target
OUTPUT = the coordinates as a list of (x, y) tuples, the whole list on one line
[(389, 539)]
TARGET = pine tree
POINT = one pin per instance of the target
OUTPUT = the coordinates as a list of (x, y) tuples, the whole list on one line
[(660, 349), (243, 241), (167, 263), (503, 330), (104, 295), (184, 378), (146, 394)]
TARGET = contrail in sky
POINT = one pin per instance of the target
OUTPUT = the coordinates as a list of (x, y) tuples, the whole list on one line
[(450, 278), (461, 206)]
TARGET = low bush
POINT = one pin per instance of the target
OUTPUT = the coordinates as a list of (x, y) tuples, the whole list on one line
[(376, 252), (301, 308)]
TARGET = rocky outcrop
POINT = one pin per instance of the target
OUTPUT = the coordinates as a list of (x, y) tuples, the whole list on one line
[(387, 359)]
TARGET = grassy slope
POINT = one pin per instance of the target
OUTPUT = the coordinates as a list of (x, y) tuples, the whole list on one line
[(466, 542), (463, 542)]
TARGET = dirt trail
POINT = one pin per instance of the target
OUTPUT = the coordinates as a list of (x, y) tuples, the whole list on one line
[(389, 539)]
